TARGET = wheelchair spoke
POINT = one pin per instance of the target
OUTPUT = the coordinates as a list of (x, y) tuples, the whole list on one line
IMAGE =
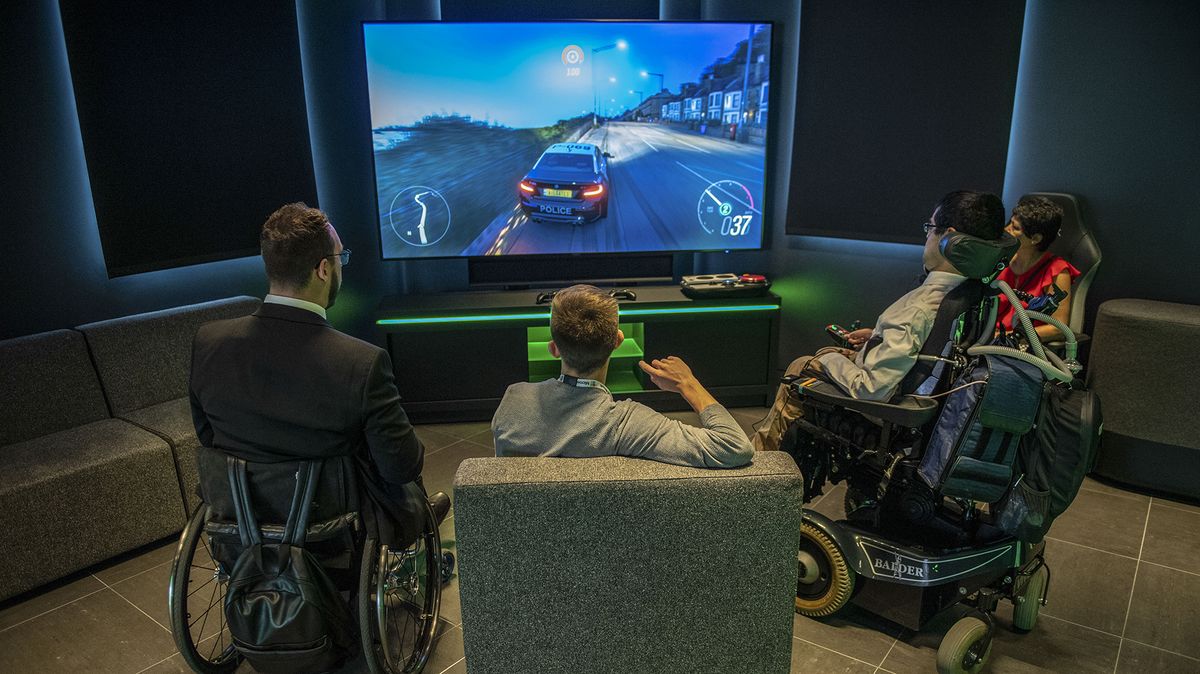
[(204, 618), (202, 586)]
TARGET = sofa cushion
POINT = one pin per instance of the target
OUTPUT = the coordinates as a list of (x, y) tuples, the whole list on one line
[(617, 564), (144, 359), (77, 497), (47, 384), (172, 421)]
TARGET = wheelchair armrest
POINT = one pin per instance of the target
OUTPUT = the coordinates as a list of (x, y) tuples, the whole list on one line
[(908, 411)]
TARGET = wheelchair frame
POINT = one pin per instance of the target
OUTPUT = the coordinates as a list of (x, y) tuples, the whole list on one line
[(390, 585)]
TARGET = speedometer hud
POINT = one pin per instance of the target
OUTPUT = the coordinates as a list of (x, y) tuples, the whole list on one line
[(550, 138)]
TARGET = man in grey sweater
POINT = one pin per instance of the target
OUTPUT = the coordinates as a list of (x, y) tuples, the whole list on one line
[(576, 416)]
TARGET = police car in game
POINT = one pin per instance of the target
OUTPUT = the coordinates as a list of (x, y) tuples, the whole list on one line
[(569, 183)]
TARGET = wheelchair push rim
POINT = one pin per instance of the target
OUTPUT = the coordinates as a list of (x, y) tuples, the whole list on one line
[(399, 601), (196, 600)]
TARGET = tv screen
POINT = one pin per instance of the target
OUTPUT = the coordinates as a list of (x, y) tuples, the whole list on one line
[(568, 137)]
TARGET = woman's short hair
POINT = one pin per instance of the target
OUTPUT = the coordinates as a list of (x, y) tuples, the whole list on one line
[(293, 240), (583, 324), (1039, 215)]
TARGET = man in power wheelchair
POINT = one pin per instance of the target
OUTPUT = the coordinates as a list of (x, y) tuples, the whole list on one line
[(951, 483)]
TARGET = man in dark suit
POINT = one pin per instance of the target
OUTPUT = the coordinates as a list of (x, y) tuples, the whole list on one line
[(282, 384)]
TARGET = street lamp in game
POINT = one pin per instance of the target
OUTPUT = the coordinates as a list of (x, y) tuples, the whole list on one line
[(646, 73), (619, 44)]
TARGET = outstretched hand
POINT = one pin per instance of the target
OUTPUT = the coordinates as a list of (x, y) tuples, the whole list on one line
[(669, 374), (858, 337)]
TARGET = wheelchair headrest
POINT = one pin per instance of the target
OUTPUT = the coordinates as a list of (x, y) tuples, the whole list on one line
[(975, 257)]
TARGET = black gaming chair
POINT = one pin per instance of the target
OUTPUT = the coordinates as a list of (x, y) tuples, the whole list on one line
[(1076, 245)]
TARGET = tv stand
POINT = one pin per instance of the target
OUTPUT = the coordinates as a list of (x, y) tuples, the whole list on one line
[(454, 354)]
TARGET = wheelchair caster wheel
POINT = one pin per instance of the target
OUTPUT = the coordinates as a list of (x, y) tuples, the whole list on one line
[(1025, 612), (965, 648), (447, 567)]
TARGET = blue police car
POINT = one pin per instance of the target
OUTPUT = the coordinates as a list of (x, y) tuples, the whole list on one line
[(569, 183)]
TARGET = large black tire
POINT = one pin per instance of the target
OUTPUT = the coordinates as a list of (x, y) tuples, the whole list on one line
[(399, 597), (826, 581), (960, 650), (196, 593)]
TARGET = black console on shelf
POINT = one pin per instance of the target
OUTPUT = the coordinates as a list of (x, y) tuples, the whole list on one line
[(454, 354)]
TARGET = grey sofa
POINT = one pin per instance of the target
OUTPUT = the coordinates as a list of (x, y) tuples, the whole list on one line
[(76, 486), (624, 565), (1143, 366), (143, 362), (97, 450)]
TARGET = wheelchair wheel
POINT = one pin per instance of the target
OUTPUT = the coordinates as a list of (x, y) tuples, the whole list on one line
[(196, 600), (1027, 605), (965, 648), (399, 596), (826, 582)]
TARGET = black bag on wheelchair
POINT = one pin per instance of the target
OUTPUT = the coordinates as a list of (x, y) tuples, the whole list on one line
[(973, 446), (1055, 455), (283, 611)]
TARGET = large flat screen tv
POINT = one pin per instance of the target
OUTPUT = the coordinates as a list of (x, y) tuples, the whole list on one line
[(568, 137)]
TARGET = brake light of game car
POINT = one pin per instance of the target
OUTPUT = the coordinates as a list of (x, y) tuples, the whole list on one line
[(527, 186), (594, 191)]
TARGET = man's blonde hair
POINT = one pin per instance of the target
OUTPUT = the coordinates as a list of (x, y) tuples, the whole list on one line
[(583, 324)]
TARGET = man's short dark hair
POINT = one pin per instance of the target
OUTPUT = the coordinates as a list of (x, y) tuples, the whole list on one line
[(979, 214), (1039, 215), (294, 239), (583, 324)]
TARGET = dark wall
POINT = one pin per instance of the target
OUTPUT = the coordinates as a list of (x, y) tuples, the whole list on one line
[(55, 275), (1108, 108)]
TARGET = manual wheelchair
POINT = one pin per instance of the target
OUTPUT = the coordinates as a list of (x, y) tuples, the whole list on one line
[(924, 525), (394, 595)]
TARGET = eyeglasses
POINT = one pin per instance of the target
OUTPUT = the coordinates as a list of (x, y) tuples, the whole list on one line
[(929, 226), (344, 255)]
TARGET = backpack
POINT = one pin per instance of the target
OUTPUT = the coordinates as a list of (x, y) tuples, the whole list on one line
[(1055, 455), (283, 611)]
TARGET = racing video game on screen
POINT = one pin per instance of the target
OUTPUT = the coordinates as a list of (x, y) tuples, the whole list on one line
[(574, 137)]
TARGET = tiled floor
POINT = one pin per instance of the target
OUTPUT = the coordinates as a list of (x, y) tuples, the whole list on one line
[(1124, 597)]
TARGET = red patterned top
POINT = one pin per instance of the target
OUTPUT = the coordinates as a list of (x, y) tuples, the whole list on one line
[(1045, 270)]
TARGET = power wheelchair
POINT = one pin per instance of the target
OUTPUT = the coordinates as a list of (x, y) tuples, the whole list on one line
[(394, 595), (923, 528)]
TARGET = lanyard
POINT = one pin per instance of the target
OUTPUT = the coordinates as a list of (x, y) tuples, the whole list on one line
[(582, 383)]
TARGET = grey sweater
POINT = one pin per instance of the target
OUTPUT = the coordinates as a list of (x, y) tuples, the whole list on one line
[(551, 418)]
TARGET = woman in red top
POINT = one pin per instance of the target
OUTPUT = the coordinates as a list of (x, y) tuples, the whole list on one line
[(1035, 223)]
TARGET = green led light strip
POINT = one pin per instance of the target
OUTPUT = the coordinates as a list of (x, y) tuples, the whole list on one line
[(425, 320)]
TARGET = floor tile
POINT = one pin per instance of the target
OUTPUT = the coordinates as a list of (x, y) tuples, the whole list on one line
[(148, 592), (434, 439), (1053, 645), (1178, 505), (20, 609), (808, 658), (1165, 610), (852, 632), (1138, 658), (461, 430), (459, 667), (138, 561), (1076, 573), (446, 650), (1103, 521), (438, 473), (1173, 537), (99, 633), (172, 665), (1104, 486), (484, 438)]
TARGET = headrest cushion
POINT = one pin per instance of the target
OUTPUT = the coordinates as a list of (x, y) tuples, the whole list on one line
[(975, 257)]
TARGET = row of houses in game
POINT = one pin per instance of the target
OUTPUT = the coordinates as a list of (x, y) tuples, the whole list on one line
[(714, 100)]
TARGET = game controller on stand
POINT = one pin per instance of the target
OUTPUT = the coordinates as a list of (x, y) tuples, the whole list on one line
[(708, 286)]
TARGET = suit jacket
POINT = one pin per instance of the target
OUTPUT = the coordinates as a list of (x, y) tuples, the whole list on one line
[(284, 385)]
